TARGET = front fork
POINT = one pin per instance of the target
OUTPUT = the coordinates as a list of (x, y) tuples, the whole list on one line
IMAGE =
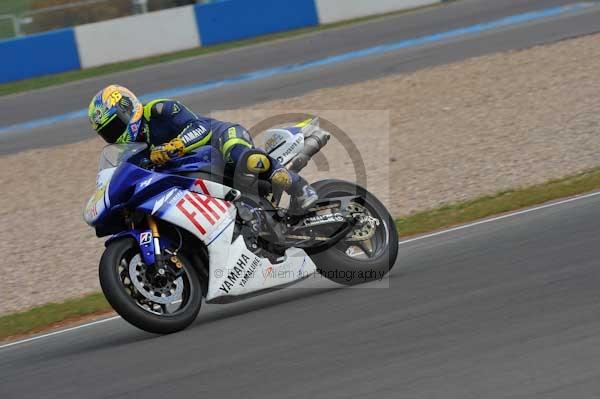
[(160, 258), (155, 239)]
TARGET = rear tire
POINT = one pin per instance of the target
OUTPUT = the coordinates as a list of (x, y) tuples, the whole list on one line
[(337, 265), (125, 305)]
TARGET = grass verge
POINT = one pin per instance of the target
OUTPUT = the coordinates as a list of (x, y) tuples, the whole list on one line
[(65, 77), (505, 201), (52, 315)]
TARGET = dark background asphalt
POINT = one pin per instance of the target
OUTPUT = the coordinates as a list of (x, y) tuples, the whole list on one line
[(507, 309), (75, 96)]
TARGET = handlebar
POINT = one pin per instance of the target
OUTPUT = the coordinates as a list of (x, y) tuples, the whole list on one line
[(146, 163)]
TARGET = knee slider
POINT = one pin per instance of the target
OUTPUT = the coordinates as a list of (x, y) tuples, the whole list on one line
[(256, 162)]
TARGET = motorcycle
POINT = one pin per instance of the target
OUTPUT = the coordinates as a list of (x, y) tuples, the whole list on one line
[(188, 230)]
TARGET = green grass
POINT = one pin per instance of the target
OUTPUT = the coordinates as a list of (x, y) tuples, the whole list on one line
[(42, 317), (61, 78), (14, 6), (463, 212), (10, 7)]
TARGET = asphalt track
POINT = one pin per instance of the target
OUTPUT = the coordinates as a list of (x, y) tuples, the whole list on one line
[(48, 102), (505, 309)]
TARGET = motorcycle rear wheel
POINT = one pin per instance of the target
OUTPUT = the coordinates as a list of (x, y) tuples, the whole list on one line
[(111, 272), (336, 263)]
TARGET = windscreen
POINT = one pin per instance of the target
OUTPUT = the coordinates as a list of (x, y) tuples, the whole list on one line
[(113, 154)]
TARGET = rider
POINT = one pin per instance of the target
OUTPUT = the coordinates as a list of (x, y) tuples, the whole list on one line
[(172, 130)]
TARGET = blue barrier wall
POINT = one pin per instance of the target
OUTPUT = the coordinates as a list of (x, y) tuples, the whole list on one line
[(217, 22), (234, 20), (38, 55)]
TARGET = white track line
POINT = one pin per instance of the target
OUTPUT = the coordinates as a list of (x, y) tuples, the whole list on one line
[(496, 218), (437, 233), (59, 332)]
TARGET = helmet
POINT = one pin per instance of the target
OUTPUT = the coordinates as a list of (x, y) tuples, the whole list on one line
[(116, 114)]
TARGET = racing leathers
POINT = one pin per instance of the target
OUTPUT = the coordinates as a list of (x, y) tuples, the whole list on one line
[(172, 130)]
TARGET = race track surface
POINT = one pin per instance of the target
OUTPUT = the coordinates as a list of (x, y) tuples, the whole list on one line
[(506, 309), (48, 102)]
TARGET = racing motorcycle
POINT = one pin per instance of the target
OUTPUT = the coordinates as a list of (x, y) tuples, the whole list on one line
[(189, 230)]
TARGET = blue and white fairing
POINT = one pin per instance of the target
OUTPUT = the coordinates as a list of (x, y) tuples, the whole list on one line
[(234, 269), (195, 205), (284, 143), (98, 202)]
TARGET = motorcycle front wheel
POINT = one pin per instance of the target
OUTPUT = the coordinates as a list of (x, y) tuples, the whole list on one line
[(160, 304)]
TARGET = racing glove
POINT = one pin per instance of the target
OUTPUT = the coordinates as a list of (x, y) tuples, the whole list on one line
[(282, 179), (164, 153)]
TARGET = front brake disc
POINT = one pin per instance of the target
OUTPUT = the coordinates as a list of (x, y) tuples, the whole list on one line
[(167, 294)]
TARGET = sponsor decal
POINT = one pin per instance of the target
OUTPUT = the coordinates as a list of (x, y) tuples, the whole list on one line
[(139, 110), (171, 197), (97, 118), (92, 205), (250, 272), (192, 135), (111, 96), (200, 187), (231, 132), (236, 273), (321, 219), (145, 238), (202, 210), (176, 109), (271, 143), (290, 149), (92, 211), (125, 104), (99, 194), (146, 182)]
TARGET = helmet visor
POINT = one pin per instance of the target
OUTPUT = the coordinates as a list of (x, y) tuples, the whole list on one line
[(111, 131), (126, 113)]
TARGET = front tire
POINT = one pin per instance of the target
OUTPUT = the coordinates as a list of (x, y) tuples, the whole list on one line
[(122, 297), (335, 263)]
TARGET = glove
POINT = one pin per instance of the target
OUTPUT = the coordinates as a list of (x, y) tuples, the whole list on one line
[(164, 153), (281, 179)]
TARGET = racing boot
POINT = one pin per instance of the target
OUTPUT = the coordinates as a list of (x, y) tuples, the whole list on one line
[(302, 193), (308, 197)]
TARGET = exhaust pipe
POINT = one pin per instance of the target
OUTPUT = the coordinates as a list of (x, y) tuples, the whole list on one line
[(312, 145)]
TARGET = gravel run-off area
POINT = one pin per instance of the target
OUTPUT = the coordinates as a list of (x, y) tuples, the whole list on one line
[(438, 135)]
